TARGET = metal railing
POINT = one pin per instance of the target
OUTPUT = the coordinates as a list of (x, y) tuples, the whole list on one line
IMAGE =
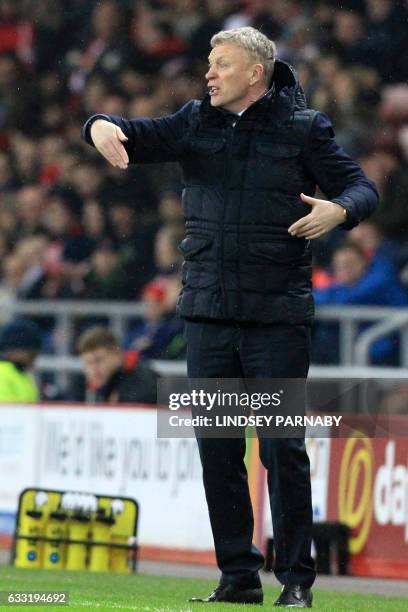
[(66, 312), (397, 323), (355, 350), (354, 345), (178, 368)]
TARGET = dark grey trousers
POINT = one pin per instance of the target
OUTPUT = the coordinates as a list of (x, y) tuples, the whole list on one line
[(231, 350)]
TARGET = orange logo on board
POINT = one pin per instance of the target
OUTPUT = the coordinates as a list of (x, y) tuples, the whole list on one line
[(356, 490)]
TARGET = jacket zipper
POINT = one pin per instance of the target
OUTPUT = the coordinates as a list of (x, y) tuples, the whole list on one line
[(228, 165)]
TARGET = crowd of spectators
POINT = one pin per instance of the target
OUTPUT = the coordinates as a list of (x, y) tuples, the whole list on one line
[(72, 227)]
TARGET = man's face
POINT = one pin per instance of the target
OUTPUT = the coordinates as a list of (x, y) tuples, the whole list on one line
[(348, 266), (229, 77), (100, 364)]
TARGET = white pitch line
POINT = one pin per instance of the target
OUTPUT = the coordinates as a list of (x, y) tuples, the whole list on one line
[(88, 604)]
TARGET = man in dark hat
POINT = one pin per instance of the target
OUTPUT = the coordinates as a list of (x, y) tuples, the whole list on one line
[(20, 343)]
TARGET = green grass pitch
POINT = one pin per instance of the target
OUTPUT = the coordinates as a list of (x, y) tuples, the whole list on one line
[(100, 592)]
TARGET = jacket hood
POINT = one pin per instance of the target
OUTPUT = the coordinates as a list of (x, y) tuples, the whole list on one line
[(285, 82)]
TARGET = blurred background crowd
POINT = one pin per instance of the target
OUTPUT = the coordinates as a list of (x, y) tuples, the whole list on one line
[(72, 227)]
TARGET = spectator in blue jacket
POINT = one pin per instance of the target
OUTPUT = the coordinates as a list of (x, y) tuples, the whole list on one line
[(358, 281)]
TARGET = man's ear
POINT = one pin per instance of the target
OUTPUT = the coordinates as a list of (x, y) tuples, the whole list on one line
[(257, 74)]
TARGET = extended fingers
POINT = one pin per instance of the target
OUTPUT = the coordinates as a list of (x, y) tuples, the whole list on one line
[(121, 153), (306, 230), (108, 140), (317, 233), (122, 138), (115, 153), (301, 224), (314, 229)]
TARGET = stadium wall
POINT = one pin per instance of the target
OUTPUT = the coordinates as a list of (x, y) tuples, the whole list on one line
[(115, 450)]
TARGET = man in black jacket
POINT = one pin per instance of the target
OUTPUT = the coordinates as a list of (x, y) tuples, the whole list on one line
[(252, 154), (109, 378)]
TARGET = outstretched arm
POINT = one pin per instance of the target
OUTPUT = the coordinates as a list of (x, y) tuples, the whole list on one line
[(122, 141)]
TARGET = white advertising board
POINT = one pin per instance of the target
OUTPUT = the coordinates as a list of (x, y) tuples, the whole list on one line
[(19, 438), (115, 451), (107, 451)]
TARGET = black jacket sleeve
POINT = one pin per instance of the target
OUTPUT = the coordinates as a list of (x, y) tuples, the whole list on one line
[(337, 175), (150, 140)]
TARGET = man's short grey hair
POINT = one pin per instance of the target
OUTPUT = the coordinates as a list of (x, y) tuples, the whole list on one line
[(259, 47)]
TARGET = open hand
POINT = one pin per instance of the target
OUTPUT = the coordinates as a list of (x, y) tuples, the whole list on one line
[(108, 138), (325, 216)]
